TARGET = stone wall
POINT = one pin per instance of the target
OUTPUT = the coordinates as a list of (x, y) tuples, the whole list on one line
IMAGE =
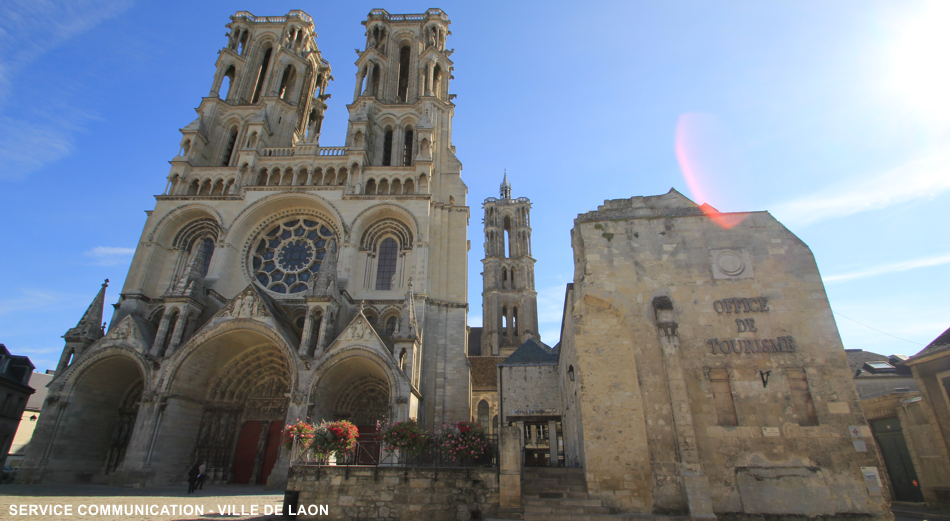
[(395, 493), (527, 388), (709, 368)]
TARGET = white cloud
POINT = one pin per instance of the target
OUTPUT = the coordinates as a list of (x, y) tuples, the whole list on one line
[(28, 30), (32, 299), (922, 179), (109, 256), (893, 267)]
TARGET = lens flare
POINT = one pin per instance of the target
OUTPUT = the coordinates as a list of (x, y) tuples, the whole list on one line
[(709, 160)]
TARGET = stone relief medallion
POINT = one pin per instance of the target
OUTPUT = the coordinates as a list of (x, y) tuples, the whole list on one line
[(288, 254), (730, 264)]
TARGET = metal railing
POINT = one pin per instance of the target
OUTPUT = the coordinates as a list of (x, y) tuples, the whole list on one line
[(370, 452)]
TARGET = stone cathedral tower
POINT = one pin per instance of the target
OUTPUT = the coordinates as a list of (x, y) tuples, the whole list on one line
[(509, 300), (278, 278)]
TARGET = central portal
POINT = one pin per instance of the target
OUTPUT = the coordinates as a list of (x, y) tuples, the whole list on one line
[(356, 390)]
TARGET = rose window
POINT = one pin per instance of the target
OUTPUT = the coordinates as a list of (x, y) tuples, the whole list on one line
[(289, 255)]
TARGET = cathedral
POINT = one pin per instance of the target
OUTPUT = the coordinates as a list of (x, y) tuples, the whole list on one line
[(278, 278), (699, 370)]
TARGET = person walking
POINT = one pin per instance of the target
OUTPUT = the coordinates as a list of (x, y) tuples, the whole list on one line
[(201, 474), (193, 478)]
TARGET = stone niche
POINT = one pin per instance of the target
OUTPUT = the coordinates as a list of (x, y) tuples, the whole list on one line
[(784, 490), (398, 493)]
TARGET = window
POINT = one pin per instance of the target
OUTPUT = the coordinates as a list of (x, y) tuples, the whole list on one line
[(208, 245), (504, 321), (722, 397), (407, 155), (287, 83), (229, 147), (507, 238), (404, 74), (261, 74), (289, 254), (386, 269), (388, 148), (483, 414), (390, 326), (224, 92), (801, 398)]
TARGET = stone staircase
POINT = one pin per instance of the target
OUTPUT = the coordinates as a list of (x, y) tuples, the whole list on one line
[(557, 494), (560, 494)]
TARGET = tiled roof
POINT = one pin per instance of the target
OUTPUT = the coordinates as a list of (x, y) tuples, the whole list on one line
[(941, 343), (484, 372)]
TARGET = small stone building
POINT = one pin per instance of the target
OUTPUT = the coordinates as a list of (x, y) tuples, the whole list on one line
[(700, 370), (926, 420)]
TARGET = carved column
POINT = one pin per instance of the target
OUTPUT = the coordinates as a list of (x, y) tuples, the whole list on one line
[(176, 335), (190, 329), (322, 337), (359, 83), (305, 338)]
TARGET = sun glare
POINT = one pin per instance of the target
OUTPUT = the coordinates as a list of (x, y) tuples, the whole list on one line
[(919, 59)]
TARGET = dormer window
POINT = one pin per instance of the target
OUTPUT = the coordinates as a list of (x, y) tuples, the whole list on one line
[(879, 367)]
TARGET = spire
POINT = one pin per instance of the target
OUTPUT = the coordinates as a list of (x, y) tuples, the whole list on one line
[(324, 284), (506, 187), (89, 327), (406, 327), (189, 284)]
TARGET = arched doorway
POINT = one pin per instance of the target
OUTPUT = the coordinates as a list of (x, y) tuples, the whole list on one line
[(227, 407), (355, 389), (95, 432)]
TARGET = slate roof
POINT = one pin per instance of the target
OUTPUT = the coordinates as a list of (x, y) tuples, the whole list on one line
[(532, 353), (941, 343), (857, 358), (484, 372)]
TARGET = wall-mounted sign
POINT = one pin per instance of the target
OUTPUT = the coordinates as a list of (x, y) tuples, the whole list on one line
[(872, 479), (771, 432), (534, 412), (782, 344)]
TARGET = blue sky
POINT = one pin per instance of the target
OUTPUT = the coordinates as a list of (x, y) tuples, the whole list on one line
[(831, 115)]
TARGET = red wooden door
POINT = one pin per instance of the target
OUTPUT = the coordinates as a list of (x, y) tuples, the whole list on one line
[(367, 452), (270, 450), (246, 451)]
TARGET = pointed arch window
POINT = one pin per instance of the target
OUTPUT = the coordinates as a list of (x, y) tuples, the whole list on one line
[(390, 326), (229, 147), (404, 74), (287, 83), (407, 148), (261, 74), (386, 268), (388, 148), (483, 414), (208, 244)]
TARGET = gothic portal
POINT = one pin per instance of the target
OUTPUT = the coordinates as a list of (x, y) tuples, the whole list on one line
[(278, 278)]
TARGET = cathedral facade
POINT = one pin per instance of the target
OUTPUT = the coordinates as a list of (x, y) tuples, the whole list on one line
[(277, 278)]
